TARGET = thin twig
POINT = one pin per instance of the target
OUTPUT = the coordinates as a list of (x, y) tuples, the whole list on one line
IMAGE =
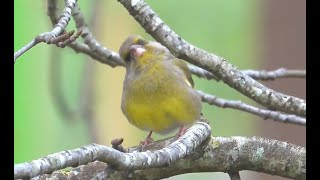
[(25, 49), (83, 48), (48, 37), (272, 75), (202, 73), (219, 66), (266, 114), (113, 58), (255, 74), (76, 46)]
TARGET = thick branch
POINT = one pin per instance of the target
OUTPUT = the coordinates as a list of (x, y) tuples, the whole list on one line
[(185, 145), (225, 71), (57, 29), (219, 154), (266, 114)]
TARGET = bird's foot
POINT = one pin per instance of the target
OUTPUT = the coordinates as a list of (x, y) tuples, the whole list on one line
[(147, 141), (182, 131)]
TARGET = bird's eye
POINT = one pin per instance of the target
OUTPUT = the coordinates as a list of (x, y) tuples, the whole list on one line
[(141, 42), (128, 58)]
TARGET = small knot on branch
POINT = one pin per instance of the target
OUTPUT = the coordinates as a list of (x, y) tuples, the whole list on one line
[(65, 39), (116, 144)]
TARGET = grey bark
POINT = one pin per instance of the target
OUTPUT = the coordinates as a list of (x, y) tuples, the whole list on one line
[(217, 154)]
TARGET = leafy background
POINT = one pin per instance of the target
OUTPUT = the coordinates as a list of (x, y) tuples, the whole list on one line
[(230, 29)]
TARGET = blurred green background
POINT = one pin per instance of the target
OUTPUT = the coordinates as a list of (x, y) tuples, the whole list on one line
[(227, 28)]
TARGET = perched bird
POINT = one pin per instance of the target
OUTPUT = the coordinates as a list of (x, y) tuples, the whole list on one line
[(158, 94)]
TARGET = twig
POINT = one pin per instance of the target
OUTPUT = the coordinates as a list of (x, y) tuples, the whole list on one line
[(83, 48), (225, 71), (25, 49), (257, 75), (113, 58), (77, 47), (49, 37), (266, 114), (202, 73), (272, 75), (185, 145)]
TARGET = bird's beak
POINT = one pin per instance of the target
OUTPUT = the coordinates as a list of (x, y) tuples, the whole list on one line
[(136, 50)]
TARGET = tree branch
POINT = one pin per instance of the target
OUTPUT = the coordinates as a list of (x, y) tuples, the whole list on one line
[(48, 37), (266, 114), (272, 75), (185, 145), (254, 74), (218, 154), (25, 49), (77, 47), (113, 58), (225, 71)]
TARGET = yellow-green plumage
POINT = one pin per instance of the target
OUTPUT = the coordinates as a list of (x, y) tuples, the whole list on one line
[(158, 92)]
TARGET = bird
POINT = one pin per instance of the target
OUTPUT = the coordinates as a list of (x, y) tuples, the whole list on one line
[(158, 90)]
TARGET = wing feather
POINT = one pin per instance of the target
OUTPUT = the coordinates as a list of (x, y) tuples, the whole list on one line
[(184, 67)]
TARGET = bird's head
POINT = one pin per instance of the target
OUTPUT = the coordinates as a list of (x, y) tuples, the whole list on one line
[(124, 50)]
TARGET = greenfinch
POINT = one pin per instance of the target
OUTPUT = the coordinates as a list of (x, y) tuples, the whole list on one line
[(158, 94)]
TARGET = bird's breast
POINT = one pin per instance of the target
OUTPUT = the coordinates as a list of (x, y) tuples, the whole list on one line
[(156, 101)]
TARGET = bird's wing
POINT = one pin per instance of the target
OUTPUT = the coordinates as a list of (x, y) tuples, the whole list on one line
[(184, 67)]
